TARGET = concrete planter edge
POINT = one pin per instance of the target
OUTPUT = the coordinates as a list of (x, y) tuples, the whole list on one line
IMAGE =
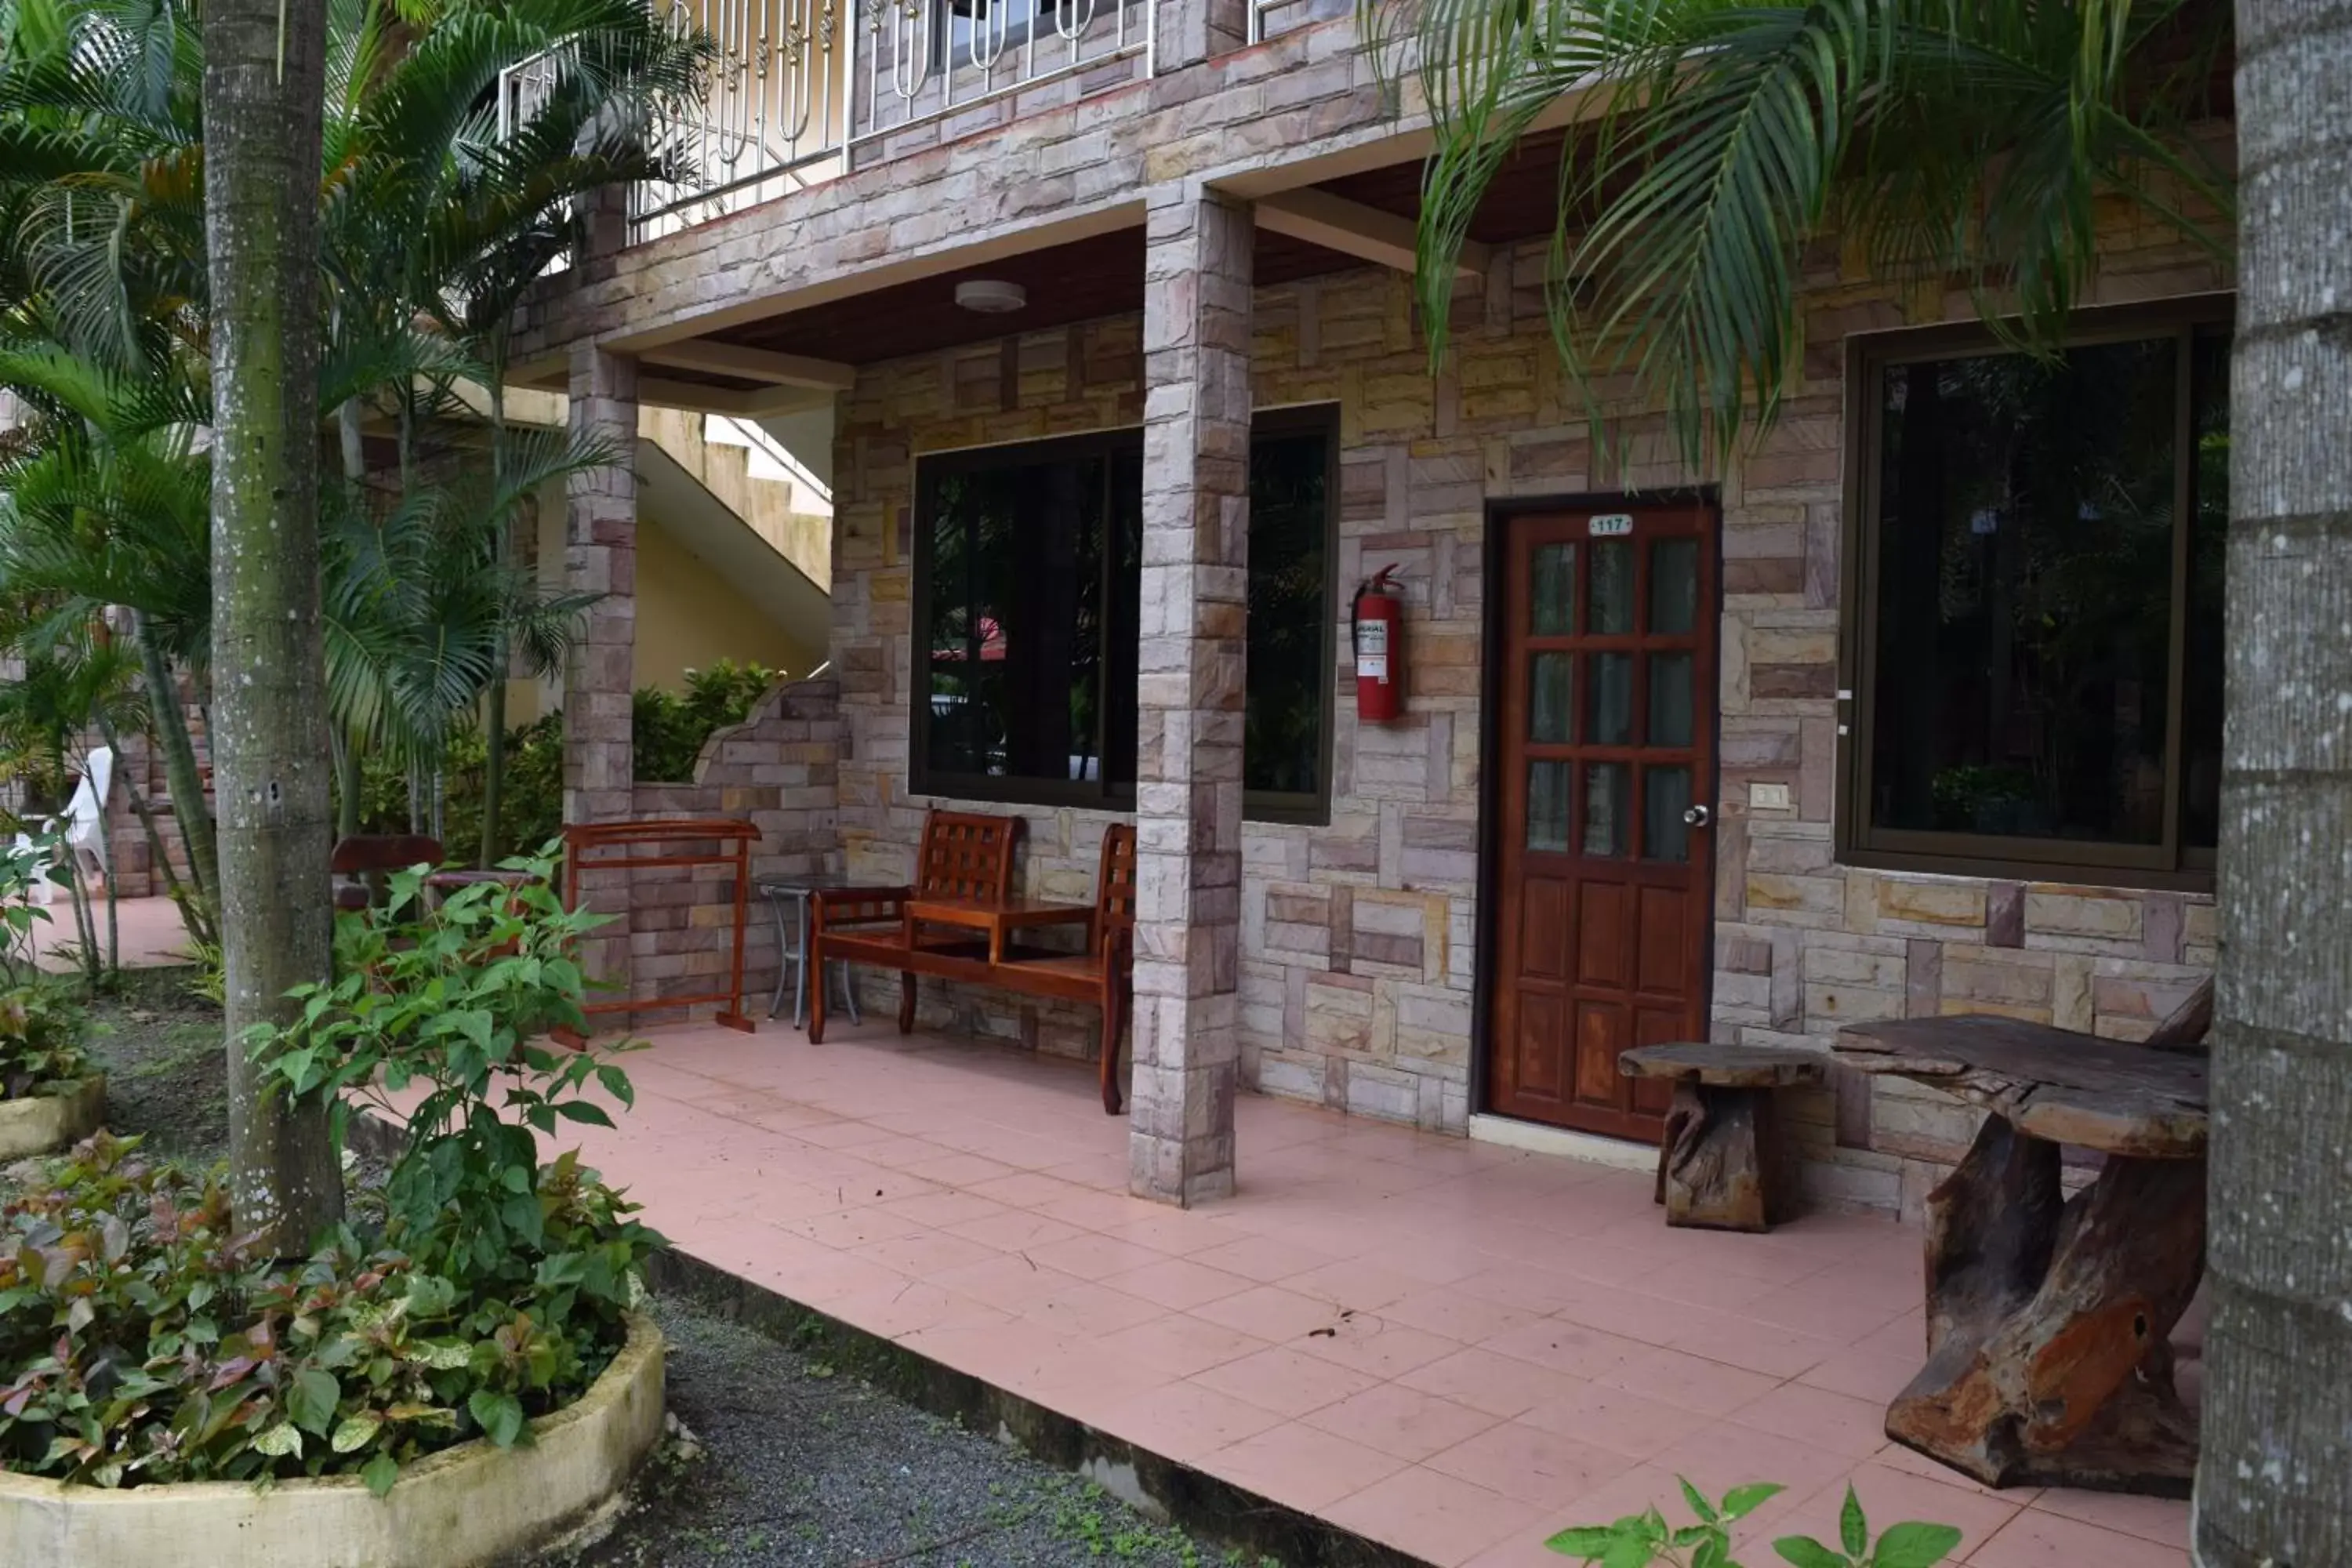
[(44, 1123), (462, 1507)]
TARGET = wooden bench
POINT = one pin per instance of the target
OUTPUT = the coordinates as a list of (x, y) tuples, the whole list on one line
[(1720, 1165), (965, 871)]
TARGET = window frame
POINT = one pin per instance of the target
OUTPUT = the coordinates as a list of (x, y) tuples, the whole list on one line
[(2166, 864), (1276, 807)]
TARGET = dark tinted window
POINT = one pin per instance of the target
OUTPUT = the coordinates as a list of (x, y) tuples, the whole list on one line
[(1031, 559), (2028, 551)]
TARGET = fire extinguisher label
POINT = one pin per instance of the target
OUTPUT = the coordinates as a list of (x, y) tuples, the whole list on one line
[(1372, 651)]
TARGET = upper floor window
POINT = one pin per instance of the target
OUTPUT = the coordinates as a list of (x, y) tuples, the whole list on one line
[(2038, 642), (1027, 590)]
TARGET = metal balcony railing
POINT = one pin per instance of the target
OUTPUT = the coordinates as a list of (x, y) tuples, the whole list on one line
[(798, 92)]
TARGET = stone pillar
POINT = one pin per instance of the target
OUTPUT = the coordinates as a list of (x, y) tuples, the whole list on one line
[(600, 556), (1186, 32), (1193, 635)]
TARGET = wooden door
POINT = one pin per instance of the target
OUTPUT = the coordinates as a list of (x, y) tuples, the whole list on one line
[(1604, 871)]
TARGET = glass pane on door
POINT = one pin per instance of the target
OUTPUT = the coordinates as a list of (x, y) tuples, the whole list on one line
[(1611, 610), (1551, 698), (1674, 586), (1665, 795), (1670, 699), (1551, 602), (1610, 710), (1548, 807), (1608, 808)]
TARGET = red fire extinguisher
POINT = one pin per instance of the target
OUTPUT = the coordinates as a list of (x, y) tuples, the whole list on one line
[(1376, 626)]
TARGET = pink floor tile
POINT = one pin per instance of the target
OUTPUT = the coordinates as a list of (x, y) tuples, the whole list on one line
[(1568, 1347), (1179, 1284), (1368, 1344), (1006, 1281), (1874, 1376), (1272, 1311), (1500, 1385), (1182, 1346), (1441, 1518), (1286, 1380), (1452, 1312), (1452, 1348), (1614, 1418), (1092, 1255), (1263, 1258), (2038, 1540), (1301, 1465), (922, 1253), (1402, 1421), (1855, 1428), (1536, 1467), (1186, 1421), (2163, 1519), (1014, 1231), (1090, 1310)]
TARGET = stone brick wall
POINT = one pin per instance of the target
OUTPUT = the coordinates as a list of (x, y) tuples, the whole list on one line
[(1359, 936), (778, 769)]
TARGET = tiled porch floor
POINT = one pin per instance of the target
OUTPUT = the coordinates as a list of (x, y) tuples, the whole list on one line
[(1450, 1347)]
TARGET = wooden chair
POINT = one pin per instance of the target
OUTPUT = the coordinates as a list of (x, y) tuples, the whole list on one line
[(360, 862), (962, 858)]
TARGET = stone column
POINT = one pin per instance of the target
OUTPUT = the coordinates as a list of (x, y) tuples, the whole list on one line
[(1193, 637), (600, 556), (1186, 32)]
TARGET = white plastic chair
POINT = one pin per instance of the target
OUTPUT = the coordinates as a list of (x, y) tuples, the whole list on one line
[(86, 812)]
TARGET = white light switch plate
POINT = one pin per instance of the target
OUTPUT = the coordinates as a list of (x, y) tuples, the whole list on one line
[(1769, 797)]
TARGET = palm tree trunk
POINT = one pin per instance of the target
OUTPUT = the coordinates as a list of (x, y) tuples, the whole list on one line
[(494, 716), (2274, 1478), (263, 83), (189, 808), (352, 441)]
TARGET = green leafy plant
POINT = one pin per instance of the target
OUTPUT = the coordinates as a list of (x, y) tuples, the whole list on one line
[(1640, 1539), (668, 728), (458, 998), (25, 863), (143, 1339), (41, 1036)]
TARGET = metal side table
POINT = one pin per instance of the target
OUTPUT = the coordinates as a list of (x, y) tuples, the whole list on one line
[(789, 897)]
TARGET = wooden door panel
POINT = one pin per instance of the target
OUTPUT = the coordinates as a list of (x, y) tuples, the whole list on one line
[(1663, 923), (1599, 1037), (1606, 727), (1603, 941), (1542, 1045), (1543, 929)]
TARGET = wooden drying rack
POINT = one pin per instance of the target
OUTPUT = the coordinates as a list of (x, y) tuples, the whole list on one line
[(579, 843)]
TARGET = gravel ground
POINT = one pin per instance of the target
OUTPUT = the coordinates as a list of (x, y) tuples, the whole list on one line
[(798, 1468), (783, 1465)]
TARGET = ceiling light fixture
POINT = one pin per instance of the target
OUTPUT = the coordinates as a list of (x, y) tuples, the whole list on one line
[(991, 296)]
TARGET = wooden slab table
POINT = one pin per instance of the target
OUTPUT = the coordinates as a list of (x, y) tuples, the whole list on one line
[(2049, 1318)]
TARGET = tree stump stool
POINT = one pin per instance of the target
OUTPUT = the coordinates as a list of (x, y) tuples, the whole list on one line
[(2050, 1318), (1721, 1166)]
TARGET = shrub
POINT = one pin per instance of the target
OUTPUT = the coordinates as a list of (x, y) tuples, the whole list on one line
[(142, 1340), (668, 728), (41, 1037)]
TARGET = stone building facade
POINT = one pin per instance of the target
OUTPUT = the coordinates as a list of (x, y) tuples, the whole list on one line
[(1345, 969)]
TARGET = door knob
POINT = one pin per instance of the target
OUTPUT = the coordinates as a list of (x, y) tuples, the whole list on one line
[(1697, 816)]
